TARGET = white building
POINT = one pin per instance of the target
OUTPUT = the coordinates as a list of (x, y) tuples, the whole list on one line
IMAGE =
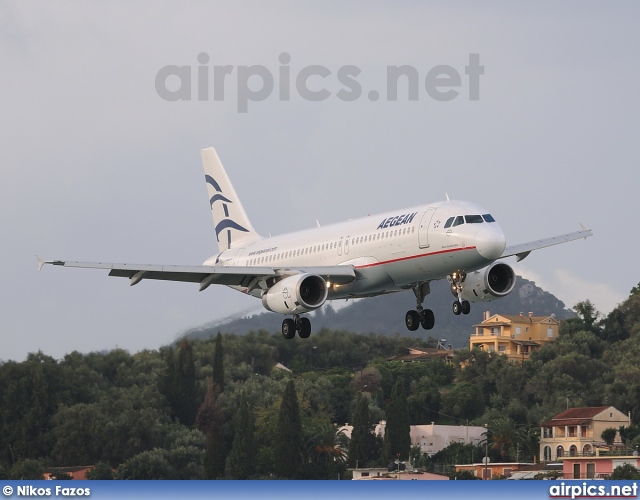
[(432, 438)]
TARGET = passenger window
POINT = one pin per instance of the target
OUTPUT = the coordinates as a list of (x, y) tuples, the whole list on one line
[(449, 222), (459, 220), (488, 218), (473, 219)]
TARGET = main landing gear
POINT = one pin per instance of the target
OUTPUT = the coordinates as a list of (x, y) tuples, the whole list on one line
[(424, 317), (420, 317), (299, 324)]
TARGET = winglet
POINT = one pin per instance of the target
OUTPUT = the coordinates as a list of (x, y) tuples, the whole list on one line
[(584, 228), (40, 263)]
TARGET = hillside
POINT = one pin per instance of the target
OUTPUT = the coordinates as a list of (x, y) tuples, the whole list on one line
[(385, 314)]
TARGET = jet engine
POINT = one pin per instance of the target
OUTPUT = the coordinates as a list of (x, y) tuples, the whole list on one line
[(296, 294), (492, 282)]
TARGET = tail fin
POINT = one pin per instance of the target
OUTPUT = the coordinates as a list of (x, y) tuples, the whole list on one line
[(232, 224)]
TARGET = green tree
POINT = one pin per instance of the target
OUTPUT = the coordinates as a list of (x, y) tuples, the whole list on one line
[(123, 423), (30, 393), (210, 420), (397, 438), (101, 470), (463, 401), (181, 458), (463, 475), (608, 435), (424, 401), (179, 384), (184, 449), (588, 313), (289, 436), (241, 462), (457, 453), (625, 471), (504, 435), (328, 444), (218, 363), (28, 468), (151, 464), (78, 434), (59, 475), (361, 435)]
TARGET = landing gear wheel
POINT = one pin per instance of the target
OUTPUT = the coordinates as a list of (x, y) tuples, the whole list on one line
[(427, 319), (412, 320), (457, 308), (466, 307), (304, 328), (288, 329)]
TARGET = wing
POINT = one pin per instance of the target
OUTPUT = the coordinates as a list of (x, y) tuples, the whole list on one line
[(522, 250), (242, 276)]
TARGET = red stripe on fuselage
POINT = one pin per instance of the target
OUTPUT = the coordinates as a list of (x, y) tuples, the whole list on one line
[(416, 257)]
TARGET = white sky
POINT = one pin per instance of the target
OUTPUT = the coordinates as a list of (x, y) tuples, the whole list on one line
[(96, 166)]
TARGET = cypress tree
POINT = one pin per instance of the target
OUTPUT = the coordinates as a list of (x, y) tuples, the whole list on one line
[(397, 437), (241, 461), (289, 438), (184, 397), (210, 420), (179, 383), (218, 366), (359, 444)]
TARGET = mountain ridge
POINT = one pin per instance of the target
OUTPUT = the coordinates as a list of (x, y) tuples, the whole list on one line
[(385, 314)]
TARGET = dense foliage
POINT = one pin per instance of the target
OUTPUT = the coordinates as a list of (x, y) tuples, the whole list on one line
[(219, 408)]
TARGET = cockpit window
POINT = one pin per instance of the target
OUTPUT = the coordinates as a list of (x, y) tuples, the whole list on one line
[(488, 218), (473, 219), (459, 220), (449, 222)]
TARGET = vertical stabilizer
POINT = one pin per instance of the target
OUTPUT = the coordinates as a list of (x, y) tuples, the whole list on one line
[(233, 228)]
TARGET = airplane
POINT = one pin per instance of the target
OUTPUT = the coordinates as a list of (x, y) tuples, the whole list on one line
[(298, 272)]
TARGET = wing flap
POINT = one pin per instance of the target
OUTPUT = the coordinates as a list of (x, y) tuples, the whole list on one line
[(208, 275), (522, 250)]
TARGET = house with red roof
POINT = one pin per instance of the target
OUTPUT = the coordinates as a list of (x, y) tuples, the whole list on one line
[(576, 432)]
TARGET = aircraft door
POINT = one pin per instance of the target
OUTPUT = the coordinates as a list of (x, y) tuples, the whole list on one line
[(423, 230), (346, 245), (340, 246)]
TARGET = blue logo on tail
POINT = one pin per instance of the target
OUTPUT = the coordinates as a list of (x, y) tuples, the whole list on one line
[(226, 223)]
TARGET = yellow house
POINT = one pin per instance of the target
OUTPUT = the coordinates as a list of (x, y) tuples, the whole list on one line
[(577, 432), (514, 336)]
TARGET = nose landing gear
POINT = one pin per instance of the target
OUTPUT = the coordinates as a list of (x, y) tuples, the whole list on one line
[(460, 306)]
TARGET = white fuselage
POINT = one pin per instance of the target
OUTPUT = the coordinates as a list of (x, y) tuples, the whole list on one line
[(390, 252)]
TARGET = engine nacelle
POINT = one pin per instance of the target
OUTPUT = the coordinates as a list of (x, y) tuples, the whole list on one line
[(492, 282), (296, 294)]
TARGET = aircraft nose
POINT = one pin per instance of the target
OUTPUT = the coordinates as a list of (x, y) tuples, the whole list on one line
[(490, 242)]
